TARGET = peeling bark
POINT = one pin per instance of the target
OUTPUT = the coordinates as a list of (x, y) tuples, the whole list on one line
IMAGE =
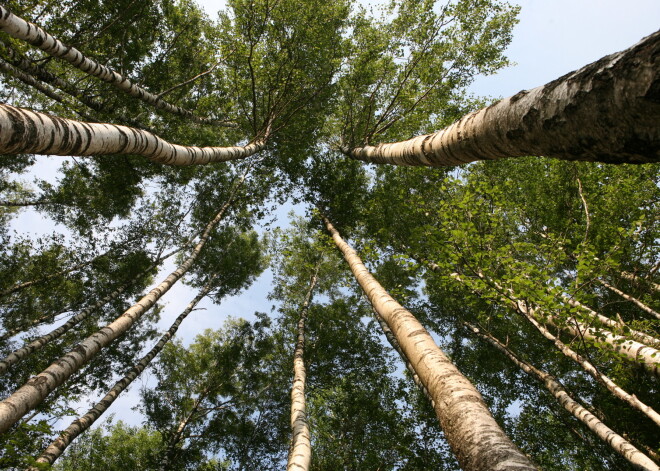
[(39, 387), (57, 447), (300, 453), (24, 131), (607, 111), (619, 444), (473, 434), (20, 29)]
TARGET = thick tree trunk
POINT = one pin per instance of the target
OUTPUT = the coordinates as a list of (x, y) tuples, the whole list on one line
[(24, 131), (611, 386), (300, 453), (20, 29), (633, 300), (57, 447), (37, 388), (638, 459), (607, 111), (472, 432)]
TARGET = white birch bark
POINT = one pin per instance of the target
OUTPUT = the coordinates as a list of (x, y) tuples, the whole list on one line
[(57, 447), (300, 453), (473, 434), (20, 29), (38, 387), (25, 131), (606, 111), (632, 299), (587, 366), (619, 444)]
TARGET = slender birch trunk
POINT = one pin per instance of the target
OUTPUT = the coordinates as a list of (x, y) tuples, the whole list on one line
[(20, 29), (606, 111), (300, 453), (587, 366), (25, 131), (633, 300), (619, 444), (395, 345), (57, 447), (37, 388), (178, 434), (472, 432), (630, 276)]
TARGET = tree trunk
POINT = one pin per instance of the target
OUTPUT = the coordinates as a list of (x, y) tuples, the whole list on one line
[(37, 388), (57, 447), (633, 300), (630, 276), (20, 29), (24, 131), (638, 459), (300, 453), (611, 386), (472, 432), (607, 111)]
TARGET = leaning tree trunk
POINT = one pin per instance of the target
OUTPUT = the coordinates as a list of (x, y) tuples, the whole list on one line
[(38, 387), (632, 299), (18, 28), (607, 111), (622, 446), (475, 437), (300, 453), (25, 131), (57, 447), (632, 277)]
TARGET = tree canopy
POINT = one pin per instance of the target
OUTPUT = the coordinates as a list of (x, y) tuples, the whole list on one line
[(534, 281)]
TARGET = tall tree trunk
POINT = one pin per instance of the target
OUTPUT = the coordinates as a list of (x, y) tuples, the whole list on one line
[(607, 111), (472, 432), (25, 131), (37, 388), (638, 459), (611, 386), (633, 300), (20, 29), (57, 447), (300, 453)]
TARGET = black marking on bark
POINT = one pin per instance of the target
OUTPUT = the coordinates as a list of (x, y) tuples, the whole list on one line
[(518, 96)]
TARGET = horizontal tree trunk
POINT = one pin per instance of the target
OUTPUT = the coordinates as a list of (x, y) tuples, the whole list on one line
[(607, 111), (473, 434), (619, 444), (25, 131), (57, 447), (20, 29)]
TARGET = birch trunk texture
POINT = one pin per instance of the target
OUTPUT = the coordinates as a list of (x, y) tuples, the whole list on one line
[(473, 434), (20, 29), (633, 300), (57, 447), (25, 131), (619, 444), (38, 387), (300, 453), (587, 366), (607, 111)]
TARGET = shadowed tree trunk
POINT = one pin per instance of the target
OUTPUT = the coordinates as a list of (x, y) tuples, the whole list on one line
[(622, 446), (300, 453), (20, 29), (633, 300), (607, 111), (473, 434), (24, 131), (57, 447)]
